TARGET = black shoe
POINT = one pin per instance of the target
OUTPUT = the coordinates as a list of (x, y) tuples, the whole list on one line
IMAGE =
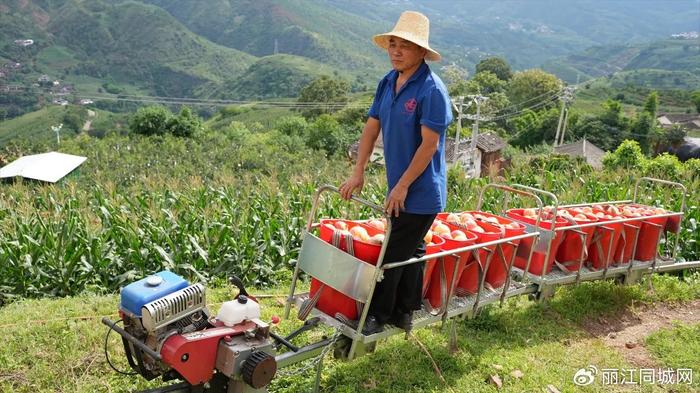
[(372, 326), (403, 321)]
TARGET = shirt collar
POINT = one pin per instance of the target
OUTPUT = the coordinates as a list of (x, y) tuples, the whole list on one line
[(423, 68)]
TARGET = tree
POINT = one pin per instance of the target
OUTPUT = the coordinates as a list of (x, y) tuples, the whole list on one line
[(496, 65), (325, 133), (185, 124), (150, 120), (606, 130), (597, 132), (292, 125), (675, 136), (484, 83), (72, 121), (453, 74), (628, 155), (532, 87), (643, 130), (534, 128), (651, 105), (612, 113), (327, 92), (488, 82), (695, 97)]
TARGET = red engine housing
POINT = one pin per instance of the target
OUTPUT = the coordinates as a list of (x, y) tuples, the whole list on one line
[(193, 355)]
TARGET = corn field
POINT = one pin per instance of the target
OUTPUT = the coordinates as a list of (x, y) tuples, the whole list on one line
[(217, 206)]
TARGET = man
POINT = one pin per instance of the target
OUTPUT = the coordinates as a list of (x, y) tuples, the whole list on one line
[(412, 109)]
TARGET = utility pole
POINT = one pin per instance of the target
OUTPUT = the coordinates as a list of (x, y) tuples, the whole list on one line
[(566, 99), (477, 99), (458, 105), (57, 130)]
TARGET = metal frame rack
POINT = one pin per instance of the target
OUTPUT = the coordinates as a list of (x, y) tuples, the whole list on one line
[(357, 279)]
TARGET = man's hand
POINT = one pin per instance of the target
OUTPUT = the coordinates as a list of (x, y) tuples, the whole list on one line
[(395, 202), (354, 182)]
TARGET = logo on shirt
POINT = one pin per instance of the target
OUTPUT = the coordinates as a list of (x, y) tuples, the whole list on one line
[(410, 105)]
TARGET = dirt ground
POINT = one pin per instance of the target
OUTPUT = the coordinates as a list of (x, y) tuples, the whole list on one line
[(627, 331)]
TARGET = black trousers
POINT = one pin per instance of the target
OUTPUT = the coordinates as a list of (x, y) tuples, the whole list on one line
[(400, 289)]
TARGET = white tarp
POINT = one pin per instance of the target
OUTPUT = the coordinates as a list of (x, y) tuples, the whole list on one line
[(49, 167)]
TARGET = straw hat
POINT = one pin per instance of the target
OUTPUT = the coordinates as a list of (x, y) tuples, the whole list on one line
[(412, 26)]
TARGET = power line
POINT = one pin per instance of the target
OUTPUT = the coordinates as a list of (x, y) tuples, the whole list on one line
[(554, 92), (198, 101), (223, 103), (242, 102), (535, 106)]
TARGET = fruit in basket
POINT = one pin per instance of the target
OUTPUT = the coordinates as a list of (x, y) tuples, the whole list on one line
[(468, 221), (613, 210), (458, 235), (492, 220), (477, 228), (581, 217), (428, 238), (341, 225), (564, 213), (453, 218), (329, 226), (379, 224), (512, 225), (465, 217), (587, 209), (530, 213), (377, 239), (359, 233), (441, 229)]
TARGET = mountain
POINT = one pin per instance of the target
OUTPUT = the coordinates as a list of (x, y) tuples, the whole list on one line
[(126, 43), (528, 33), (664, 64), (273, 76), (257, 49), (311, 29)]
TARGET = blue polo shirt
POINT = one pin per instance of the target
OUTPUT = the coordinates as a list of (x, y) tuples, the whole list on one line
[(422, 100)]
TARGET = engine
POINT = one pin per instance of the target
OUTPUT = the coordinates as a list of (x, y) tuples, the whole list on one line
[(169, 332)]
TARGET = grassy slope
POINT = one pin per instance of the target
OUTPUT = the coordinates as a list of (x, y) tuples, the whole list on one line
[(33, 125), (660, 64), (677, 347), (305, 28), (127, 43), (274, 76), (593, 93), (546, 343), (36, 126)]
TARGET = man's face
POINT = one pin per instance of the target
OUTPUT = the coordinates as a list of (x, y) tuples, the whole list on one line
[(403, 54)]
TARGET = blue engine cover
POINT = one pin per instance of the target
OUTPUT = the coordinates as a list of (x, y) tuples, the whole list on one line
[(137, 294)]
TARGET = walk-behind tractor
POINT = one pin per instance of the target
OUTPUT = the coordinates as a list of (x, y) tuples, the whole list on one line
[(472, 259)]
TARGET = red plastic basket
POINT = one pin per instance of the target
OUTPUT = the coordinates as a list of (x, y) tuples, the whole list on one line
[(450, 263), (435, 247), (649, 232), (496, 275), (606, 234), (538, 263), (469, 279), (332, 301), (625, 246), (570, 249)]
